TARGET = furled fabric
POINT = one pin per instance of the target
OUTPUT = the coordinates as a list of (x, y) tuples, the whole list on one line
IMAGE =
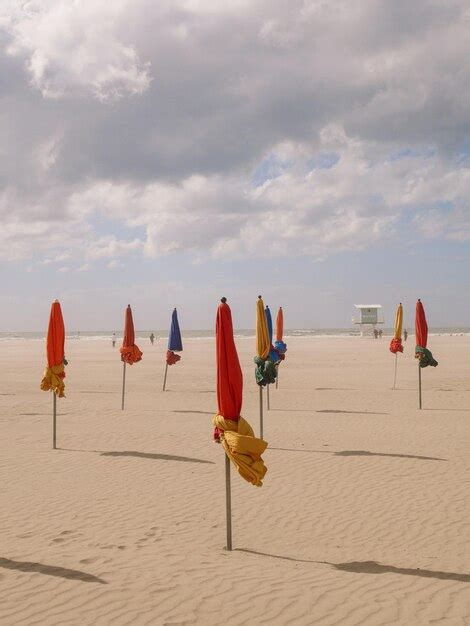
[(175, 343), (266, 356), (130, 353), (263, 344), (280, 325), (269, 322), (265, 371), (425, 357), (421, 326), (396, 345), (54, 374), (53, 380), (242, 447), (172, 358), (280, 346), (229, 372)]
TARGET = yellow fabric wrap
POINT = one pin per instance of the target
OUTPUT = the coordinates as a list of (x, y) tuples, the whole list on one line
[(54, 379), (243, 448), (398, 322), (263, 344)]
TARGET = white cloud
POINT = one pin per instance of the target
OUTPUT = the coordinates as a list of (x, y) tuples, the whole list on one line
[(73, 47), (274, 128), (356, 200), (109, 247), (438, 224)]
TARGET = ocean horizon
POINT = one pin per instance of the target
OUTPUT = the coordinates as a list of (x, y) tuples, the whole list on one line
[(106, 335)]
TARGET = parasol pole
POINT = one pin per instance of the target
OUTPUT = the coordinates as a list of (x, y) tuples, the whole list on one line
[(395, 376), (419, 386), (228, 502), (123, 383), (267, 397), (54, 420), (164, 378), (261, 411)]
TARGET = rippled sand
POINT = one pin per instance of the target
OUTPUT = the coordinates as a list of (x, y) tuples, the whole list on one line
[(363, 518)]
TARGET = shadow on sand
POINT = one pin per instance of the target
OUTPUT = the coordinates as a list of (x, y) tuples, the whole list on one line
[(397, 456), (363, 453), (50, 570), (158, 457), (371, 567)]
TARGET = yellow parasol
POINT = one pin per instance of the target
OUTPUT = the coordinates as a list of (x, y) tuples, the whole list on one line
[(396, 344), (263, 343)]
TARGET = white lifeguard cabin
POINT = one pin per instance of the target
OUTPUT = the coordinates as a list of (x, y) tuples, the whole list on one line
[(368, 319)]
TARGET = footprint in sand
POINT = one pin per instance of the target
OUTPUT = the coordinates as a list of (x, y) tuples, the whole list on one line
[(66, 536), (150, 535)]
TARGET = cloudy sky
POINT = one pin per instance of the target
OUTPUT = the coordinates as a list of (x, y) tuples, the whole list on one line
[(168, 153)]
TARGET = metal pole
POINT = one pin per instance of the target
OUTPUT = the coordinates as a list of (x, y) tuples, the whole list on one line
[(395, 377), (420, 397), (267, 396), (123, 383), (54, 420), (164, 379), (228, 502), (261, 411)]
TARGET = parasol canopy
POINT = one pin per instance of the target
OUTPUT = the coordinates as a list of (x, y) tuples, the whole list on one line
[(269, 322), (279, 344), (237, 437), (174, 340), (130, 353), (396, 344), (54, 374), (263, 343), (229, 372), (421, 329), (265, 359)]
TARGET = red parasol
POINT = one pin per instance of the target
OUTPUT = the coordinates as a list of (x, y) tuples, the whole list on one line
[(229, 373), (421, 326)]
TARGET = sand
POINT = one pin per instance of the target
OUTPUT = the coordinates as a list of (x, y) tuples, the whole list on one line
[(364, 516)]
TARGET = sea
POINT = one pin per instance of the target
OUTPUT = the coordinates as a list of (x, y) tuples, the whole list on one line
[(106, 335)]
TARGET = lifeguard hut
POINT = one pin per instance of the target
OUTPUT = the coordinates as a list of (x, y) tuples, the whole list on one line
[(368, 318)]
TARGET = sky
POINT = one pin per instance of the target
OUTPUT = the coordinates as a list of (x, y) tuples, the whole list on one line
[(170, 153)]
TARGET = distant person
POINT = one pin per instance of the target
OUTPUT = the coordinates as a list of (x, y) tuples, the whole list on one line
[(380, 333), (114, 340), (405, 334), (152, 338), (376, 333)]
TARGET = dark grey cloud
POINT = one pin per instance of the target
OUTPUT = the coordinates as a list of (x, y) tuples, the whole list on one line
[(154, 95)]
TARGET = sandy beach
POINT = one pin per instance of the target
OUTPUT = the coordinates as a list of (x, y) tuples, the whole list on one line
[(363, 517)]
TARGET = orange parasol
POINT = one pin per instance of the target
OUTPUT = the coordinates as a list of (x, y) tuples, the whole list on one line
[(130, 353)]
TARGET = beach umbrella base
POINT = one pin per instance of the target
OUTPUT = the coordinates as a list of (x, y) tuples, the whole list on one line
[(123, 385), (261, 411), (54, 421), (419, 388), (164, 378), (395, 374), (228, 503)]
